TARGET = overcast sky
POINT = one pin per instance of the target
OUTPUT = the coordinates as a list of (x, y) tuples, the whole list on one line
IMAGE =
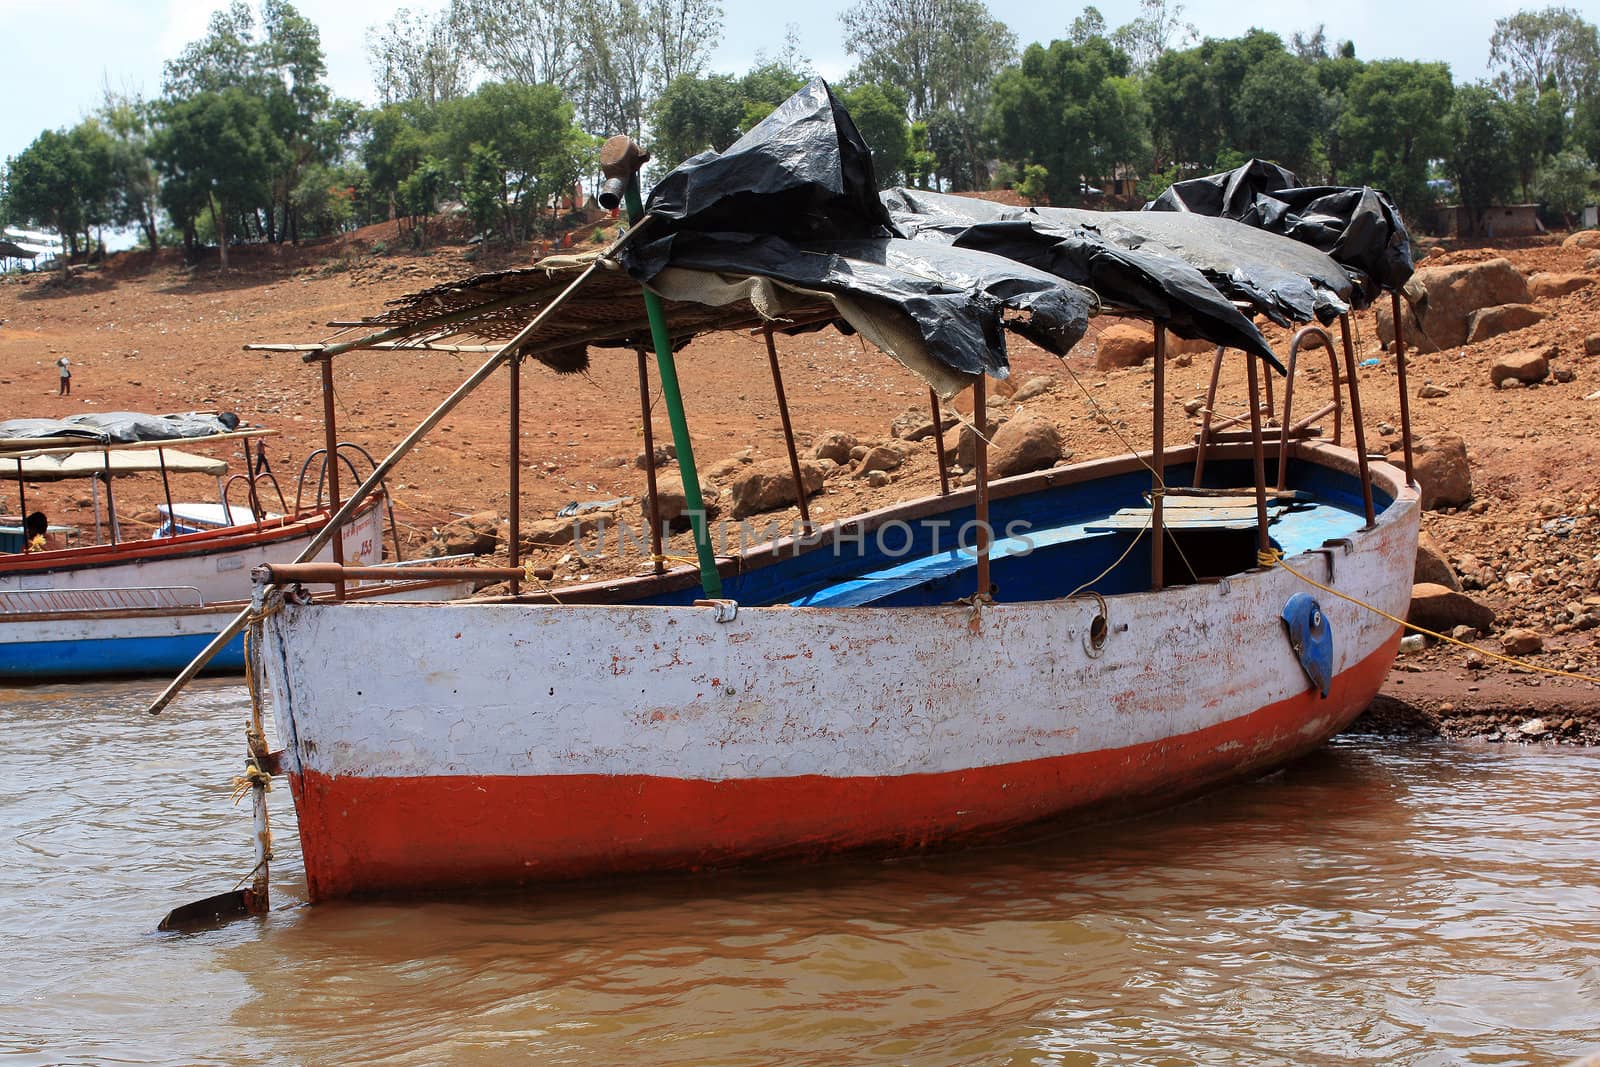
[(63, 53)]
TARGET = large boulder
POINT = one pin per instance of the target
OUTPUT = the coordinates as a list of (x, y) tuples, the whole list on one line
[(1443, 297), (1545, 286), (878, 458), (1529, 365), (1033, 387), (914, 424), (1441, 610), (1432, 568), (1441, 469), (1025, 443), (1123, 345), (478, 533), (834, 445), (1582, 239), (674, 503), (960, 444), (1503, 318), (770, 485)]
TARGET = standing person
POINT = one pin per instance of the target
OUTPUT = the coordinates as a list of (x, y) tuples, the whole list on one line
[(65, 366)]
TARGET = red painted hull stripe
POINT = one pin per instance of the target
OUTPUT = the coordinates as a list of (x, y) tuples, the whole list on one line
[(363, 835)]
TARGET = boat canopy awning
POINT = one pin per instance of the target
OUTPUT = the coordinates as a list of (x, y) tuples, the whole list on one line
[(87, 464), (786, 229)]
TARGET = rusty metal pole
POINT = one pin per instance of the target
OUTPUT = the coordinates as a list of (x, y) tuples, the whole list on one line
[(1400, 370), (22, 502), (1263, 541), (330, 442), (1355, 418), (788, 430), (652, 502), (514, 491), (166, 488), (980, 420), (1205, 419), (1158, 464), (938, 444), (111, 504)]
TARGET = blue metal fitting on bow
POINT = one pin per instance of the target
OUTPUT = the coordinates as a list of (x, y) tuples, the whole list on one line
[(1311, 638)]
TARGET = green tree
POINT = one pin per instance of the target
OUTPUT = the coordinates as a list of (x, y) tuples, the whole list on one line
[(694, 114), (1394, 122), (1533, 48), (1537, 126), (879, 112), (1280, 112), (514, 148), (136, 183), (419, 56), (1072, 110), (217, 151), (1565, 184), (47, 185), (1480, 150), (765, 86), (943, 55), (1147, 38)]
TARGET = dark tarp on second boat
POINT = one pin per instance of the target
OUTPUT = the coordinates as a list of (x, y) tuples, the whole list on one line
[(123, 427), (1357, 225)]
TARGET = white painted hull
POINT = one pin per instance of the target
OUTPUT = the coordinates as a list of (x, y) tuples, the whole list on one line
[(503, 743)]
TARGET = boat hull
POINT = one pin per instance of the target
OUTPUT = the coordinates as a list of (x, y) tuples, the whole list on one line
[(511, 743), (148, 607)]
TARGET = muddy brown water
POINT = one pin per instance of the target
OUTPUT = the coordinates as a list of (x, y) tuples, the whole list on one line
[(1384, 902)]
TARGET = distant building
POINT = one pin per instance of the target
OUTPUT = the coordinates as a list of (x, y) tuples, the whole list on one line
[(1502, 220), (28, 249)]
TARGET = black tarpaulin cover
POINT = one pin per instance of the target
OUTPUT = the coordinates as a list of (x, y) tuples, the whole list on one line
[(1161, 287), (1357, 225), (795, 200)]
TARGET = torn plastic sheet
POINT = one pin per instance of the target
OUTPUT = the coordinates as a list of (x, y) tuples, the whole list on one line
[(1358, 226), (123, 427), (803, 173), (1159, 287), (1278, 277), (958, 302)]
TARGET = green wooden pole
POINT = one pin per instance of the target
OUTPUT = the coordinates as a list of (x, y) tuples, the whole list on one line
[(709, 578)]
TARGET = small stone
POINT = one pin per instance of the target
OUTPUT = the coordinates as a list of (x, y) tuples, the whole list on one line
[(1529, 365), (1521, 641), (1193, 407), (1464, 633), (1533, 728), (877, 458), (878, 479), (834, 445), (1429, 391), (1474, 661), (1591, 345), (1512, 383), (1564, 375), (1031, 388)]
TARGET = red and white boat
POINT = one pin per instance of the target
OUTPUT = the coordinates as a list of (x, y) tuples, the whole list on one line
[(515, 742)]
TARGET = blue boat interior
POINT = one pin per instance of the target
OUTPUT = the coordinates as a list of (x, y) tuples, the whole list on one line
[(1090, 536)]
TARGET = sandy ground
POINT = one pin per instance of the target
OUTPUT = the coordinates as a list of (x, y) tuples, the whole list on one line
[(146, 333)]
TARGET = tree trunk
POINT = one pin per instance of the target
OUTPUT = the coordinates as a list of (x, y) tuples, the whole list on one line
[(221, 218)]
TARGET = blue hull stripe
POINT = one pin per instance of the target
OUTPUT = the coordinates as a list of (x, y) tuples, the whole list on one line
[(39, 660)]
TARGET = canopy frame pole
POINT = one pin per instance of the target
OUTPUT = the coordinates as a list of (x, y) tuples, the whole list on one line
[(1259, 456), (22, 502), (1356, 424), (710, 580), (938, 443), (477, 378), (1158, 463), (330, 438), (111, 505), (514, 488), (94, 495), (1204, 437), (166, 489), (980, 460), (788, 430), (652, 500), (1400, 371)]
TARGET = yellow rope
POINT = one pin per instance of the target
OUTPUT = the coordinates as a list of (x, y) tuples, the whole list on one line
[(1273, 557), (527, 572), (242, 784), (688, 561), (1136, 539)]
